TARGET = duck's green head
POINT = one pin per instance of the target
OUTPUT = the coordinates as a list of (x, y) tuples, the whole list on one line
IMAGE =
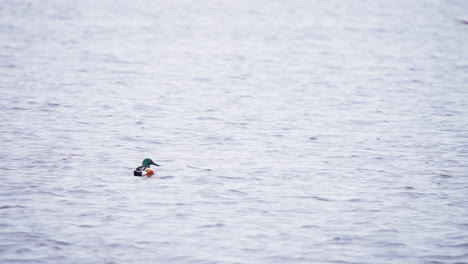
[(148, 162)]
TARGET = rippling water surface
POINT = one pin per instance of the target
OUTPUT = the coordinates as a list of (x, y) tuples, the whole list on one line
[(288, 131)]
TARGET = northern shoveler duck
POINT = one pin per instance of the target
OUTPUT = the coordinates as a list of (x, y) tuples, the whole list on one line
[(145, 169)]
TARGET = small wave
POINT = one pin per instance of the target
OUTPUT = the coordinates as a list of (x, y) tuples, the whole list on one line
[(211, 226), (237, 192), (201, 169), (310, 226), (445, 176), (165, 177), (458, 245), (323, 199), (11, 207)]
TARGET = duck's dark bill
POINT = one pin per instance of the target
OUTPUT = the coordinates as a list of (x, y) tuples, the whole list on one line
[(154, 163)]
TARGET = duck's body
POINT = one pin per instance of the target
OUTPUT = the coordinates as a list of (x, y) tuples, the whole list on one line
[(145, 169)]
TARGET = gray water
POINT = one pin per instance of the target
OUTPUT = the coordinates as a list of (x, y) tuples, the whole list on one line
[(288, 131)]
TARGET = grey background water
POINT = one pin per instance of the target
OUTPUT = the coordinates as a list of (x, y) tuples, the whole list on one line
[(288, 131)]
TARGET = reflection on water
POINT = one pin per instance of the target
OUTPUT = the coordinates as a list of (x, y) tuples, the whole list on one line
[(288, 132)]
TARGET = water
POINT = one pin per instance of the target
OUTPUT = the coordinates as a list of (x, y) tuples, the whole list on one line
[(288, 131)]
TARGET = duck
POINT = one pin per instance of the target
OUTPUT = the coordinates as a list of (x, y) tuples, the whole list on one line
[(145, 168)]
